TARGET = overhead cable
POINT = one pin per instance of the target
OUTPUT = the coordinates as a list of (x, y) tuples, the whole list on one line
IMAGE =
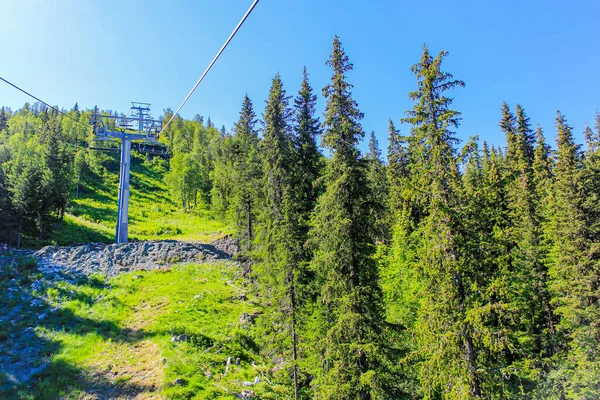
[(43, 102), (239, 25)]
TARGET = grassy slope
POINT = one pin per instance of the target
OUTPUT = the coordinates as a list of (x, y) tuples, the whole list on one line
[(114, 339), (152, 216)]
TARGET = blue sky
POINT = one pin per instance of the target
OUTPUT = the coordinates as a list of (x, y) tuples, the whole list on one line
[(542, 54)]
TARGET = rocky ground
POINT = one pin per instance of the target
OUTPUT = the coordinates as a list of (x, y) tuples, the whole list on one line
[(111, 260), (23, 274)]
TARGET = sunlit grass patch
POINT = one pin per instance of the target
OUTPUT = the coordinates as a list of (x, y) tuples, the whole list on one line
[(152, 216), (167, 332)]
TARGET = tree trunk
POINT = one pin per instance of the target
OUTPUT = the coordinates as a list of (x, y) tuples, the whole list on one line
[(468, 342), (294, 345), (249, 212), (63, 209), (20, 230), (472, 363), (41, 228)]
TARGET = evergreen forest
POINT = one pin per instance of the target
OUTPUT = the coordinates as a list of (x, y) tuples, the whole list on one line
[(433, 269)]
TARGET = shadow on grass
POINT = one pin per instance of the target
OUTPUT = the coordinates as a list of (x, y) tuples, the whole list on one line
[(72, 233), (93, 213), (61, 378), (99, 192), (28, 325)]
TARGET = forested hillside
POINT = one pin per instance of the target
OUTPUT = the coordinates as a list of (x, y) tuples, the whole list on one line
[(449, 270), (57, 190)]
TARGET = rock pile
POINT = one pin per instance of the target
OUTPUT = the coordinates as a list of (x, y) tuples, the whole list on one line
[(113, 259)]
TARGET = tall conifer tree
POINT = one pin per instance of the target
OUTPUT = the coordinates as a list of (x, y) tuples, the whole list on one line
[(350, 315), (376, 176), (573, 266), (307, 128), (446, 341), (523, 298), (279, 236), (246, 174)]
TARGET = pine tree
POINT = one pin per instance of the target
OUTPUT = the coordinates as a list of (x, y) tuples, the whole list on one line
[(507, 125), (349, 321), (307, 128), (448, 340), (57, 181), (573, 265), (523, 298), (76, 111), (3, 119), (525, 136), (397, 172), (246, 173), (278, 234), (376, 176)]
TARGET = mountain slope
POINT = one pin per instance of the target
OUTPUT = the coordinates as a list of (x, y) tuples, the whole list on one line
[(157, 333)]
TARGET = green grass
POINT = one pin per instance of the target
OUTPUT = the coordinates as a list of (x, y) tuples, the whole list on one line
[(115, 337), (152, 215)]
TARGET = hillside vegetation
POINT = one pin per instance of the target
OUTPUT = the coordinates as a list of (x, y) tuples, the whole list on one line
[(145, 334), (152, 214), (448, 271)]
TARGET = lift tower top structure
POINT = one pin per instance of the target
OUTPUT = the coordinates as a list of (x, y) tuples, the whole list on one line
[(138, 126)]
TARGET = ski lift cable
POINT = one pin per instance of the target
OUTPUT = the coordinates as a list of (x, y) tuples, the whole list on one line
[(46, 104), (239, 25)]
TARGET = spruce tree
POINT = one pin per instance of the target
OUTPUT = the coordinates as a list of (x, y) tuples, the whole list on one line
[(448, 339), (376, 176), (586, 338), (76, 111), (24, 175), (541, 176), (395, 154), (507, 125), (3, 119), (246, 174), (276, 151), (349, 321), (277, 156), (525, 136), (306, 129), (279, 234), (397, 171), (57, 181), (573, 266), (523, 298)]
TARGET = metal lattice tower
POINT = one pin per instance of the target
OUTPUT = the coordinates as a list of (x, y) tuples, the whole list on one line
[(138, 126)]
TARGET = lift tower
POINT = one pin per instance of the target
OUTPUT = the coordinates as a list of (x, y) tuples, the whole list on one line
[(138, 126)]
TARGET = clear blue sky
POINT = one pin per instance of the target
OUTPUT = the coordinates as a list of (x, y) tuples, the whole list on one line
[(543, 54)]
